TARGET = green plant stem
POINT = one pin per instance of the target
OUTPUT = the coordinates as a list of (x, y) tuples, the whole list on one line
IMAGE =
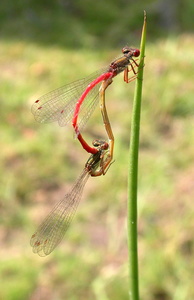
[(133, 176)]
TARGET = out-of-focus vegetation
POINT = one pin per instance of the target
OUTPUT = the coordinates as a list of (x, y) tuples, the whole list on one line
[(44, 45)]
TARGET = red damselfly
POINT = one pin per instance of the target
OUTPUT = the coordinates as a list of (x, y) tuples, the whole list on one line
[(76, 101)]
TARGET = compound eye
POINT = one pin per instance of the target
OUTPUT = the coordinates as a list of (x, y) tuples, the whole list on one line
[(136, 52)]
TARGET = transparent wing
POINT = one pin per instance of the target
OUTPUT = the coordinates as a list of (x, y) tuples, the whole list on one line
[(59, 105), (50, 233)]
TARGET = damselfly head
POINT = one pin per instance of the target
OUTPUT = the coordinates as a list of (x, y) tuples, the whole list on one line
[(101, 144), (127, 51)]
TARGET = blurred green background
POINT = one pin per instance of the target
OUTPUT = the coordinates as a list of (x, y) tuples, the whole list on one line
[(45, 44)]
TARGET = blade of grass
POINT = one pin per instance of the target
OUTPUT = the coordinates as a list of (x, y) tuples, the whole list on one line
[(133, 176)]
